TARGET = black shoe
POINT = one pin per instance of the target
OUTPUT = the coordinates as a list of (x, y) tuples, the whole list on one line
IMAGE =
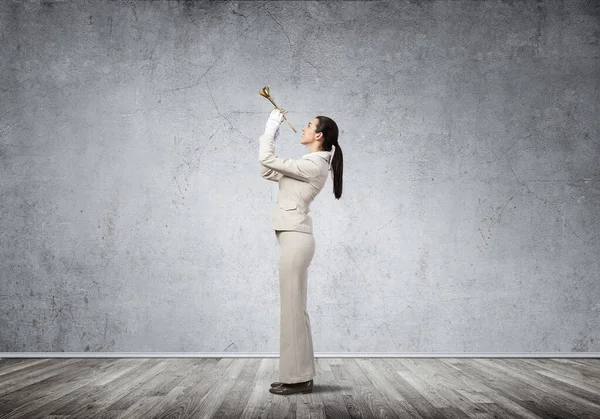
[(285, 389), (277, 384)]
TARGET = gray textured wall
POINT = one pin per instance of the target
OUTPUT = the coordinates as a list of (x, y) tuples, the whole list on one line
[(134, 217)]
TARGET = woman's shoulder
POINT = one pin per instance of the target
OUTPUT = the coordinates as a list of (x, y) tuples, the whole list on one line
[(318, 156)]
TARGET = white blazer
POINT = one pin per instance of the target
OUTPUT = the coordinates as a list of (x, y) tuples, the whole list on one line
[(300, 181)]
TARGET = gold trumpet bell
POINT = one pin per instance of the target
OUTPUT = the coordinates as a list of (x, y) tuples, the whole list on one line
[(265, 92)]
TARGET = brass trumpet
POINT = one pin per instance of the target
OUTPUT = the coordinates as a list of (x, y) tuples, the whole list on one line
[(264, 92)]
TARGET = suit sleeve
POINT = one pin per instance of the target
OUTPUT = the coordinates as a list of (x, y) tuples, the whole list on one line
[(269, 174), (301, 169)]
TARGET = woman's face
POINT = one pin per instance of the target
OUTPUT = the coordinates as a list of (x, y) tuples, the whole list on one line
[(308, 132)]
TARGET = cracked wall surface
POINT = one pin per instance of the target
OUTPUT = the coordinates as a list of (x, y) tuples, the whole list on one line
[(134, 217)]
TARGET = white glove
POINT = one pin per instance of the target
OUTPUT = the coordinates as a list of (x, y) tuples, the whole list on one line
[(273, 123)]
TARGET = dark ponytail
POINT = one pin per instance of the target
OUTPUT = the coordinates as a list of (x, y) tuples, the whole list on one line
[(330, 131)]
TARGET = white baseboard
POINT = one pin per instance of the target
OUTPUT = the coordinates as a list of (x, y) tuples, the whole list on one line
[(317, 355)]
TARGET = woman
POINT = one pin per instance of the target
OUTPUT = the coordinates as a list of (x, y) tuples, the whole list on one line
[(300, 181)]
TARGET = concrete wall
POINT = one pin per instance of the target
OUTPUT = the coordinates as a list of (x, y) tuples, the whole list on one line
[(134, 217)]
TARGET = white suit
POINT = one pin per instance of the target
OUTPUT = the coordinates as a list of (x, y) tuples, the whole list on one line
[(300, 181)]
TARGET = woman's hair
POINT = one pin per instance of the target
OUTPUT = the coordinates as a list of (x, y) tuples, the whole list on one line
[(330, 131)]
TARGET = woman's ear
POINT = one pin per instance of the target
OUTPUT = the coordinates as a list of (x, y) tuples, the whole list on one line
[(319, 136)]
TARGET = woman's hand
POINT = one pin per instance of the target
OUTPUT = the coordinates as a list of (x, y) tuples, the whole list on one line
[(274, 122)]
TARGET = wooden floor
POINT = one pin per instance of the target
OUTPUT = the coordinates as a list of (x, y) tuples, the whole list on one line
[(343, 388)]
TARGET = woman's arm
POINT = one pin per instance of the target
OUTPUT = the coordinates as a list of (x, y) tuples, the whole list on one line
[(269, 174), (301, 169)]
